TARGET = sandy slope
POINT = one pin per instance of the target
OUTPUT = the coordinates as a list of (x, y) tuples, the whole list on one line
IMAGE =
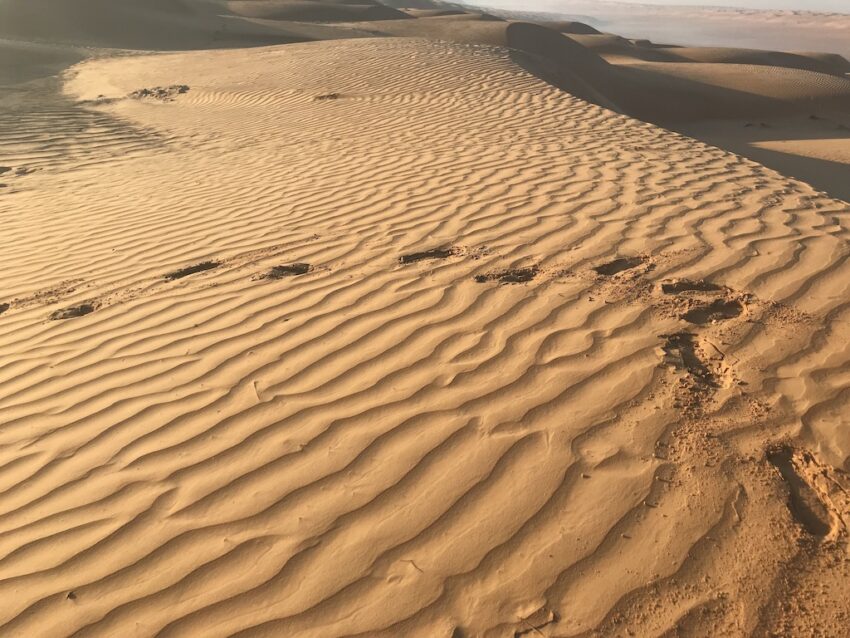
[(813, 148), (696, 25), (384, 448)]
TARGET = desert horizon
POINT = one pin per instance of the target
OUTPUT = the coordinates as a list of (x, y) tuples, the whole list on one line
[(330, 318)]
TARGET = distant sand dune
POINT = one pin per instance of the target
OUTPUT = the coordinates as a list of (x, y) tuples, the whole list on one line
[(175, 24), (311, 10)]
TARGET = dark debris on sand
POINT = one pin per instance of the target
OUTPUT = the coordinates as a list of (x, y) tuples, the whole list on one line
[(163, 93)]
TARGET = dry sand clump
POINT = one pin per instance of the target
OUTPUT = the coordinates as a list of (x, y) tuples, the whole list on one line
[(453, 353)]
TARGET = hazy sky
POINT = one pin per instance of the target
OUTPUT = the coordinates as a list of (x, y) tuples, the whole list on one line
[(842, 6), (810, 5)]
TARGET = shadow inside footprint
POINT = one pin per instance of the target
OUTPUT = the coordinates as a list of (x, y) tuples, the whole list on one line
[(289, 270), (436, 253), (191, 270), (681, 351), (618, 266), (804, 504), (685, 285), (72, 312), (3, 307), (719, 310), (510, 276)]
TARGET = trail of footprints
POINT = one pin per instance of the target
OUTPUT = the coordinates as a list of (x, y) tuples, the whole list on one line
[(54, 294), (698, 303)]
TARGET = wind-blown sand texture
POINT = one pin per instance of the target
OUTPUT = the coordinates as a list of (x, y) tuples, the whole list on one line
[(392, 337)]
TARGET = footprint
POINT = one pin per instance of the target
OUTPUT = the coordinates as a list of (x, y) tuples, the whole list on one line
[(510, 276), (3, 307), (532, 624), (191, 270), (718, 310), (684, 285), (73, 312), (618, 266), (681, 352), (327, 96), (436, 253), (289, 270), (806, 504)]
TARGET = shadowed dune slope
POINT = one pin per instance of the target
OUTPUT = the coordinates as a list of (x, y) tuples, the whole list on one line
[(388, 337), (668, 91), (571, 27), (433, 13), (673, 86), (22, 61), (467, 28), (622, 50), (315, 10), (834, 65), (148, 24)]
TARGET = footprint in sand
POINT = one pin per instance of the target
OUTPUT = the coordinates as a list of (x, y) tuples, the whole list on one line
[(619, 265), (509, 276), (718, 310), (289, 270), (681, 352), (701, 311), (685, 285), (73, 311), (3, 307), (191, 270), (808, 505), (436, 253)]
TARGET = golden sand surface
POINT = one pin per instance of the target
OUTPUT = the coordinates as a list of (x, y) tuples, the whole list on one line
[(393, 336)]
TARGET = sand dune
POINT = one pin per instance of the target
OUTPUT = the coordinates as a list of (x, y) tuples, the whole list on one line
[(707, 25), (179, 24), (393, 336), (662, 85), (130, 24), (314, 10)]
